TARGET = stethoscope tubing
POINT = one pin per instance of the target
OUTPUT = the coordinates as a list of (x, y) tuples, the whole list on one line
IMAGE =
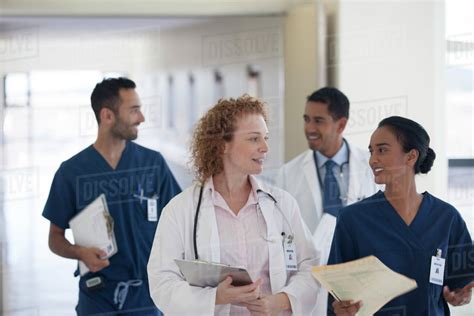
[(198, 208)]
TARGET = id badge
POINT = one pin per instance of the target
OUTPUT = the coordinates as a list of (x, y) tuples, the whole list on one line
[(290, 254), (437, 270), (152, 210)]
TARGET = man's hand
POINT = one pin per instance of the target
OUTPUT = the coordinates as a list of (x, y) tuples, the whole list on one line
[(62, 247), (269, 305), (458, 297), (92, 257), (346, 308), (229, 294)]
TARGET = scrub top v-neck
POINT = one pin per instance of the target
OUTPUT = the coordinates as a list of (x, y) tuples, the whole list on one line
[(373, 227)]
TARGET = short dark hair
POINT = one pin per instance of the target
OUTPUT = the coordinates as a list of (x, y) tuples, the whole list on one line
[(338, 103), (106, 94), (412, 135)]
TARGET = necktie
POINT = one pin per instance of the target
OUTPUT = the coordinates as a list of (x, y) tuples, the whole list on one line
[(331, 198)]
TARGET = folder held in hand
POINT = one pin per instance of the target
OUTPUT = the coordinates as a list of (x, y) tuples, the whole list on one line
[(366, 279), (210, 274), (94, 227)]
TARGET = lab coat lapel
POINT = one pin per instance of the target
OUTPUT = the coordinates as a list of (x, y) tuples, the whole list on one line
[(322, 235), (311, 176), (356, 174), (207, 235), (274, 222)]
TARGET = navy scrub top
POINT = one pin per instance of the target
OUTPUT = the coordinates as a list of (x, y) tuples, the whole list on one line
[(85, 176), (373, 227)]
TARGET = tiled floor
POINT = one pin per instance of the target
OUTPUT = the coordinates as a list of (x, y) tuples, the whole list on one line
[(37, 282)]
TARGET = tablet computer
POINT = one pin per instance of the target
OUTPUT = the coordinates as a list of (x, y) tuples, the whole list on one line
[(210, 274)]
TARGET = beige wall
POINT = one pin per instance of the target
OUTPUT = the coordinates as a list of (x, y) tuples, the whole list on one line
[(305, 29), (145, 7)]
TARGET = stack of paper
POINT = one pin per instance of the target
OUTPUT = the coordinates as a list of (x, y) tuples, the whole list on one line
[(366, 279), (93, 227)]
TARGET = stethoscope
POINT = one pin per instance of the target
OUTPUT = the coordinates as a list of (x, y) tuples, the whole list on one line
[(341, 169), (290, 237)]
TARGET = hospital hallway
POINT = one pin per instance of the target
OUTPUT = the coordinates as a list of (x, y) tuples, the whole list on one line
[(35, 281), (413, 59)]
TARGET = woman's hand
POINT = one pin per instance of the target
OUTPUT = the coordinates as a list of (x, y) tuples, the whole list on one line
[(269, 305), (346, 308), (458, 297), (229, 294)]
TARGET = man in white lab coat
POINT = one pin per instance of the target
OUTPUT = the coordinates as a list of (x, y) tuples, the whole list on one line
[(330, 175)]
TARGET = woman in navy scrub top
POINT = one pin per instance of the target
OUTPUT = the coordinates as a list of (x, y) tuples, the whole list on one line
[(406, 229)]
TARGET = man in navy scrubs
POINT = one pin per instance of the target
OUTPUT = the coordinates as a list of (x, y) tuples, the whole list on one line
[(137, 184)]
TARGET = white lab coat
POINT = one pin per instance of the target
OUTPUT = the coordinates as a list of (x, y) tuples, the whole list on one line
[(174, 240), (299, 177)]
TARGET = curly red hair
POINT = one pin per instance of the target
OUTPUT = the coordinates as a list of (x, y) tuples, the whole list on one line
[(216, 128)]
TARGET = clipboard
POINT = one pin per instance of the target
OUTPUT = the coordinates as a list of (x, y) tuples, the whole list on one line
[(210, 274), (94, 227)]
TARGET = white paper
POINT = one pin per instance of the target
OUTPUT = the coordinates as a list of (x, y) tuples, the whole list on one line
[(90, 228)]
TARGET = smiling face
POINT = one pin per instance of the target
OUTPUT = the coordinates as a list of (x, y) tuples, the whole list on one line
[(129, 115), (247, 150), (323, 132), (389, 162)]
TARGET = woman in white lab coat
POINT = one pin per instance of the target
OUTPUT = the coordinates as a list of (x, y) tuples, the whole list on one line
[(241, 222)]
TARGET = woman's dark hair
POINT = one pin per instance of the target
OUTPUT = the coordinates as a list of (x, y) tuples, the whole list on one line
[(412, 135)]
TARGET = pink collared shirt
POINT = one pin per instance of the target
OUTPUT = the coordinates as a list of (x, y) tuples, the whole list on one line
[(242, 240)]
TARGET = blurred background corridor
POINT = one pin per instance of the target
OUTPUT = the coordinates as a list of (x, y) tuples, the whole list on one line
[(414, 59)]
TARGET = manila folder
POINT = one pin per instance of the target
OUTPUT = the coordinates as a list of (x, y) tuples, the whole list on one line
[(366, 279)]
